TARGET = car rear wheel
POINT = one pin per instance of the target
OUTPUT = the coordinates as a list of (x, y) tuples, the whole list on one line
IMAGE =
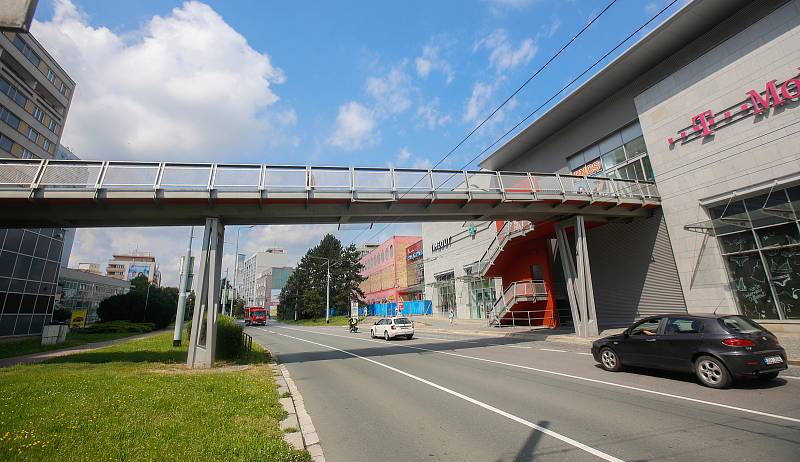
[(768, 376), (385, 335), (609, 360), (711, 372), (371, 333)]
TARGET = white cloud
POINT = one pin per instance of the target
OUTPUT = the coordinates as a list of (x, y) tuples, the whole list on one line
[(553, 27), (392, 92), (429, 114), (503, 55), (478, 100), (184, 86), (355, 125), (422, 163), (403, 155), (429, 61)]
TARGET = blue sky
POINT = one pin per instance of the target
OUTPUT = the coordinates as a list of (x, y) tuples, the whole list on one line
[(325, 83)]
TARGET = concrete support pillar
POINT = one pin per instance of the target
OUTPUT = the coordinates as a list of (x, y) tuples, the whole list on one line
[(202, 342), (578, 276)]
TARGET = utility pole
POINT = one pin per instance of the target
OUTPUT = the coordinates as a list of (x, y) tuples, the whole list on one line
[(328, 294), (225, 296), (236, 264), (182, 292)]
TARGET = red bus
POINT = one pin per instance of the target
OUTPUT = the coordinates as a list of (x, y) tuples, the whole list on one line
[(255, 315)]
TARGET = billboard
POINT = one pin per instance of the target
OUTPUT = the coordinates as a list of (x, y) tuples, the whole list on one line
[(78, 319), (135, 270)]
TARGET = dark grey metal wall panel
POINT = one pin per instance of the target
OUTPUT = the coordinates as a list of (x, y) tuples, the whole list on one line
[(633, 271)]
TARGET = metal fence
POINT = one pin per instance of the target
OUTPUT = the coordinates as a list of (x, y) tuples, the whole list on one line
[(80, 175)]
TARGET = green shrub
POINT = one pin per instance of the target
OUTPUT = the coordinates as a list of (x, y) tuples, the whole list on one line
[(229, 338), (113, 327)]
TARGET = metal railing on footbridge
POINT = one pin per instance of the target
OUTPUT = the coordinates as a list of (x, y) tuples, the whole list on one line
[(20, 178)]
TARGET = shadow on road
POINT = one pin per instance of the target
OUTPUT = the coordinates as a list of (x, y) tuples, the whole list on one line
[(528, 450), (747, 384)]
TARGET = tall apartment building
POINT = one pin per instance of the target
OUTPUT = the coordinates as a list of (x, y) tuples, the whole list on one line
[(128, 266), (255, 268), (35, 95), (270, 283)]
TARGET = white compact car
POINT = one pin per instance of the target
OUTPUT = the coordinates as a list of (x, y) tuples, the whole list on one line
[(389, 328)]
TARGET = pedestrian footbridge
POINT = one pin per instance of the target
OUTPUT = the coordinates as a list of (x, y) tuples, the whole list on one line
[(51, 193), (78, 193)]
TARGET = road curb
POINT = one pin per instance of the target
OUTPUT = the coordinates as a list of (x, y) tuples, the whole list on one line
[(307, 437)]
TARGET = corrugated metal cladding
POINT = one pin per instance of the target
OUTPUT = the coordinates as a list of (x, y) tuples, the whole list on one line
[(633, 271)]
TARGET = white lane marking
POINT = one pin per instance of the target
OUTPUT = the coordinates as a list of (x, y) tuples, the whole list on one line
[(577, 377), (552, 349), (474, 341), (587, 354), (491, 408), (790, 377)]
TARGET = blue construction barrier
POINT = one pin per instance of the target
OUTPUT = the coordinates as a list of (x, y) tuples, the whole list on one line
[(415, 307)]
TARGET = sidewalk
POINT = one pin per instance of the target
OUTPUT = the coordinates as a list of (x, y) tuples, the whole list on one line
[(790, 342), (45, 355)]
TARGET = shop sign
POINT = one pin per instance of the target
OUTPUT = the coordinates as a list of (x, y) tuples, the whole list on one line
[(444, 243), (590, 168), (414, 251), (708, 122)]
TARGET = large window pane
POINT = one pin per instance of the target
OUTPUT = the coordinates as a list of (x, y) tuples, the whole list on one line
[(13, 240), (23, 323), (738, 242), (749, 284), (777, 209), (780, 235), (635, 148), (784, 268), (7, 260), (730, 218), (630, 132), (42, 247), (22, 267), (613, 158), (12, 303), (611, 143), (7, 324), (648, 169), (28, 243)]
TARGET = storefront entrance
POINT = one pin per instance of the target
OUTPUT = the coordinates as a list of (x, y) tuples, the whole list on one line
[(481, 297)]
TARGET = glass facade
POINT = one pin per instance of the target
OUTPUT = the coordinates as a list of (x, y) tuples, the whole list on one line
[(446, 292), (481, 297), (622, 154), (29, 266), (759, 239)]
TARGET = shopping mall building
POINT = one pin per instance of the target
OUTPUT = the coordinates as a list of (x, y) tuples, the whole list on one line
[(708, 106)]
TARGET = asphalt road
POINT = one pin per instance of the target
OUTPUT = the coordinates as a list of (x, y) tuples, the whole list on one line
[(442, 397)]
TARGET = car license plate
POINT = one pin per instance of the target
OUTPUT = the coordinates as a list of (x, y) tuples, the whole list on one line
[(772, 360)]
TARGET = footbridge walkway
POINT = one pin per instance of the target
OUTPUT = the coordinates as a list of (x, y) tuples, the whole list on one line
[(78, 193)]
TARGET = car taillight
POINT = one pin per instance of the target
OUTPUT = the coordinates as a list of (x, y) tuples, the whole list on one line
[(738, 342), (392, 326)]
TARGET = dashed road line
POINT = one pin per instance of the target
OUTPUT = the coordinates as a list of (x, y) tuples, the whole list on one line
[(576, 377), (553, 349), (527, 423)]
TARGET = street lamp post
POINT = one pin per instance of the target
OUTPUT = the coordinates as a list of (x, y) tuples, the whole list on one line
[(327, 287), (183, 292), (236, 264)]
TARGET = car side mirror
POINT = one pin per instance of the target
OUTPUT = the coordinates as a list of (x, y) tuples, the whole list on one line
[(626, 333)]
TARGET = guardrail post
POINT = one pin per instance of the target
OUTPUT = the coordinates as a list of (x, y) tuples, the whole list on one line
[(159, 176), (211, 177), (101, 177), (533, 186), (561, 184), (262, 177), (39, 172)]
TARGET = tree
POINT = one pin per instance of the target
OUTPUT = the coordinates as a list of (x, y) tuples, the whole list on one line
[(143, 303), (305, 288)]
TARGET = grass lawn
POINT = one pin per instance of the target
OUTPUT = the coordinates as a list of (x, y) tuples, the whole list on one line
[(137, 401), (335, 321), (74, 338)]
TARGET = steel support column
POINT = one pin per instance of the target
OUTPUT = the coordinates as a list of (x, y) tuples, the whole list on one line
[(202, 342), (578, 276)]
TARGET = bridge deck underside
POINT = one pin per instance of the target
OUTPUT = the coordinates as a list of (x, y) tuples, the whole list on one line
[(83, 209)]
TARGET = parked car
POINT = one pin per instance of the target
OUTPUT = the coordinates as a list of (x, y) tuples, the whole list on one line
[(389, 328), (719, 349)]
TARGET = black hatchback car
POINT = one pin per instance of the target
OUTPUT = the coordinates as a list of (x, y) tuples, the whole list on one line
[(717, 348)]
